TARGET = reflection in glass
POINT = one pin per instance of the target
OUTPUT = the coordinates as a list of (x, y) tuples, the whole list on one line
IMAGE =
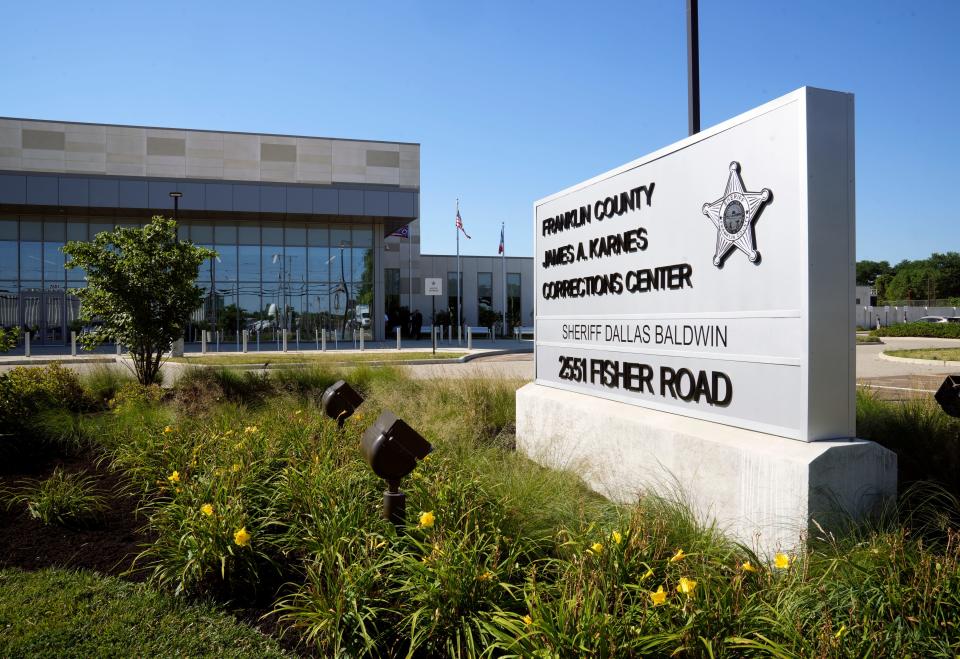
[(8, 260), (249, 262), (318, 264), (31, 260), (484, 297), (54, 274), (513, 299)]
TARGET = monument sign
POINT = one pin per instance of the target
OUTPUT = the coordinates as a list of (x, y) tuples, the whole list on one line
[(711, 280)]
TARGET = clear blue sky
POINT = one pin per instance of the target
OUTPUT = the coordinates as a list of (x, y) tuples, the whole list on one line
[(514, 100)]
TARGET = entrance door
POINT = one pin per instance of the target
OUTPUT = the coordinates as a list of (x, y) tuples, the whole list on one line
[(44, 315)]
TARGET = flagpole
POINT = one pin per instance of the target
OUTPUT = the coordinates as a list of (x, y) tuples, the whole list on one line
[(503, 272), (457, 229), (410, 268)]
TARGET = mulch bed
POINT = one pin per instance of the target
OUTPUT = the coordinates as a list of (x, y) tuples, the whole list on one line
[(108, 548)]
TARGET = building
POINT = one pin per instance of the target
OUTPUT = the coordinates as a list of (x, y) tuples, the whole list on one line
[(302, 226)]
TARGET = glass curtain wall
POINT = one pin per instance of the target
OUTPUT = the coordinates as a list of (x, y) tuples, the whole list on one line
[(514, 315), (266, 277)]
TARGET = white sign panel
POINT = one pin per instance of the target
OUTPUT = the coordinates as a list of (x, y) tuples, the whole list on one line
[(432, 286), (713, 278)]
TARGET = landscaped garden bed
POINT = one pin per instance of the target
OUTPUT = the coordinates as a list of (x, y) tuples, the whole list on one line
[(248, 518), (316, 359), (937, 354)]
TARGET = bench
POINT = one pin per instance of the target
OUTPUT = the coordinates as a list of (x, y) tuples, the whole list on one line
[(519, 332), (479, 331)]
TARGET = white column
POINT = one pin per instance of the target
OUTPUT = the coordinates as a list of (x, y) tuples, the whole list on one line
[(73, 344), (398, 338)]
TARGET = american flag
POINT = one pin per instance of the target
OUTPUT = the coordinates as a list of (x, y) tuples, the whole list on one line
[(500, 251), (460, 224)]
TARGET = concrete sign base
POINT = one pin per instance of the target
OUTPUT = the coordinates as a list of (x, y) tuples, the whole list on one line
[(762, 490)]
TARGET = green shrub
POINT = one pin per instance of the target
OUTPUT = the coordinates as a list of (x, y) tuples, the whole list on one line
[(937, 330), (103, 382), (925, 439), (67, 499)]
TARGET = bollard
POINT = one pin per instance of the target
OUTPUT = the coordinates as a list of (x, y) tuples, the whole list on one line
[(336, 341), (298, 339), (323, 339), (284, 340), (316, 335), (118, 348), (459, 334), (493, 337), (398, 338), (203, 342), (258, 340), (246, 337), (26, 344), (362, 333), (449, 334), (469, 338), (73, 344), (216, 338)]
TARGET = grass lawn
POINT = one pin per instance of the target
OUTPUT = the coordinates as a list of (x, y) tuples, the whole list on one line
[(939, 354), (316, 358), (866, 338), (253, 500), (61, 613)]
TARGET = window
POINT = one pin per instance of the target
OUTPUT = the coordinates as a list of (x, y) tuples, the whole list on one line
[(391, 290), (452, 296), (485, 298), (514, 312)]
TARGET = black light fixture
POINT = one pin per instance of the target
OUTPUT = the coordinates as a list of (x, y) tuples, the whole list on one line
[(948, 395), (392, 449), (176, 203), (340, 401)]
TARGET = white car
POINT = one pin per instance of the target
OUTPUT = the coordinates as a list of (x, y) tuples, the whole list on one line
[(932, 319)]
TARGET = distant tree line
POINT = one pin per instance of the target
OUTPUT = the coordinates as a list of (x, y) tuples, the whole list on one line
[(937, 277)]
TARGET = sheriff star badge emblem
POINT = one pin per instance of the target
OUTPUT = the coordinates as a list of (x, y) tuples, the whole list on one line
[(733, 214)]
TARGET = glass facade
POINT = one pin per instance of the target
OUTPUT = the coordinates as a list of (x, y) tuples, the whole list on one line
[(514, 312), (484, 298), (266, 276)]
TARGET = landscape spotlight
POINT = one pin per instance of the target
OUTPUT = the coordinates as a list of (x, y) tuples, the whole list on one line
[(392, 449), (948, 395), (339, 401)]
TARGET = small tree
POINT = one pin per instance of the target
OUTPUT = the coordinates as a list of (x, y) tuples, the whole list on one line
[(141, 286)]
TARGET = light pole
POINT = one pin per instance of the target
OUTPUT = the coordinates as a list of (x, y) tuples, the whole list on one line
[(693, 67), (176, 204)]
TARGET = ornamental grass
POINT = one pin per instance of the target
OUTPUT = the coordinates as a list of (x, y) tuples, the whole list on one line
[(273, 507)]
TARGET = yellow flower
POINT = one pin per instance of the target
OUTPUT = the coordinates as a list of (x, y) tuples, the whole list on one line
[(228, 433), (841, 631), (486, 576), (427, 519), (781, 561), (748, 567), (678, 556), (298, 412), (686, 586), (167, 430), (235, 467), (358, 416), (206, 509), (250, 430), (658, 597), (174, 477), (596, 547), (527, 620), (647, 574), (426, 458), (616, 537), (241, 537)]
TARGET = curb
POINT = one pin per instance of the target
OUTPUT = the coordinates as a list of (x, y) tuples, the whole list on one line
[(409, 362), (913, 360), (39, 361)]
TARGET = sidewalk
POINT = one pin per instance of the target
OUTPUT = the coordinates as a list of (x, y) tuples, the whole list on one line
[(106, 355)]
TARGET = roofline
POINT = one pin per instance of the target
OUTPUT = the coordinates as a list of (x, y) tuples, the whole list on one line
[(476, 256), (203, 130)]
